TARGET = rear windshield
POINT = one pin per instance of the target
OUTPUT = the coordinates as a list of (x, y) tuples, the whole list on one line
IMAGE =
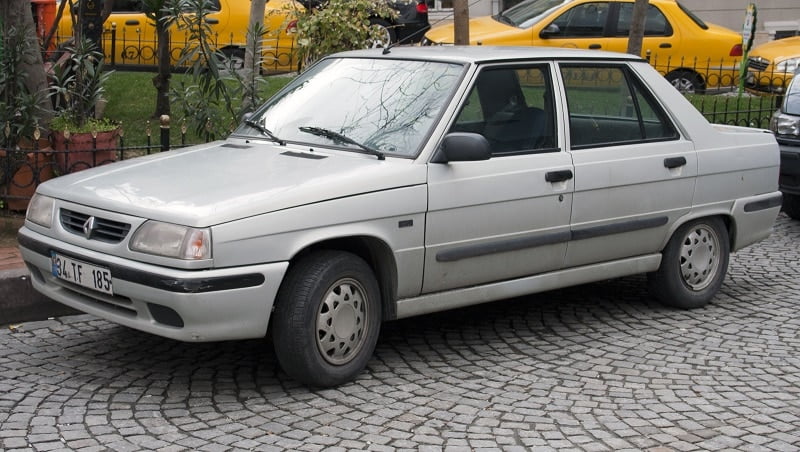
[(692, 16)]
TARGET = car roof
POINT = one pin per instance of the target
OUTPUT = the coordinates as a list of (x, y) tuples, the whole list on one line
[(486, 54)]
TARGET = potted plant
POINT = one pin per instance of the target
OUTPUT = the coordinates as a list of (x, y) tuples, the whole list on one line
[(26, 156), (81, 137)]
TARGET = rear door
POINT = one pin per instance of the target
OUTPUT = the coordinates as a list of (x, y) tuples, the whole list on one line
[(508, 216), (634, 173)]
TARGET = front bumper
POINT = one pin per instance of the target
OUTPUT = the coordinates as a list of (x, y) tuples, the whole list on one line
[(789, 179), (197, 306)]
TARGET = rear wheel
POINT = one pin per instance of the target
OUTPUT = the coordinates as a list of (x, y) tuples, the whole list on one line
[(791, 205), (693, 264), (327, 319), (686, 81), (383, 33)]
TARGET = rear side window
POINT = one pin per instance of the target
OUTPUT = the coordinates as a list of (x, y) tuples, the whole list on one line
[(656, 23), (609, 106)]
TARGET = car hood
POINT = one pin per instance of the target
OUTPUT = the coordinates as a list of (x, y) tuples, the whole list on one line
[(777, 51), (224, 181), (484, 29)]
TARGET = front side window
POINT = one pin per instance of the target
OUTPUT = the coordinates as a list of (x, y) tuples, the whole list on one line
[(513, 109), (609, 106), (383, 104), (583, 21)]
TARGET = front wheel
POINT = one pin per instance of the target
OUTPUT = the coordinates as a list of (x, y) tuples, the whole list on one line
[(327, 318), (693, 264)]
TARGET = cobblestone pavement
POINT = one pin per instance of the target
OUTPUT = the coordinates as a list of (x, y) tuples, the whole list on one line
[(597, 367)]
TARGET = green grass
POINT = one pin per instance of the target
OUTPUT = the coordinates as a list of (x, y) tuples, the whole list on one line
[(132, 101)]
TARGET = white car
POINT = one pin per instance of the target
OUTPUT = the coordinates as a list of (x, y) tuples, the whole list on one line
[(384, 184)]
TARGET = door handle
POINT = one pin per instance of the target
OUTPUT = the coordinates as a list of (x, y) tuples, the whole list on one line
[(558, 176), (674, 162), (665, 45), (595, 46), (132, 22), (212, 21)]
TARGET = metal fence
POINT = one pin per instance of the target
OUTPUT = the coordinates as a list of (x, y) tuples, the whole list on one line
[(131, 48)]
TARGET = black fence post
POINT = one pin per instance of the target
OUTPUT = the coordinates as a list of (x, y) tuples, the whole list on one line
[(164, 133)]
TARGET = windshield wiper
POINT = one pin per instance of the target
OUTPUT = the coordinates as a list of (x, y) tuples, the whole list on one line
[(339, 138), (264, 131)]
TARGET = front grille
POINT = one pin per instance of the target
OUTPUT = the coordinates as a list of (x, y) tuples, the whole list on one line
[(104, 230), (758, 64)]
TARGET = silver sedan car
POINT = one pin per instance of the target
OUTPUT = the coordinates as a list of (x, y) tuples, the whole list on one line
[(384, 184)]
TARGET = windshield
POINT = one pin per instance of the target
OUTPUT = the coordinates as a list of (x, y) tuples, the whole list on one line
[(791, 104), (529, 12), (382, 105)]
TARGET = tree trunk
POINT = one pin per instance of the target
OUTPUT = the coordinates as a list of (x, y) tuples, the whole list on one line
[(18, 12), (636, 34), (162, 77), (252, 53), (461, 22)]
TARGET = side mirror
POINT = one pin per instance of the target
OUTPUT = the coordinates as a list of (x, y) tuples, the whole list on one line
[(550, 30), (463, 147)]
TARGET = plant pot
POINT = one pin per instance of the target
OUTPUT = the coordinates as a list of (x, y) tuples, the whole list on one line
[(24, 181), (79, 151)]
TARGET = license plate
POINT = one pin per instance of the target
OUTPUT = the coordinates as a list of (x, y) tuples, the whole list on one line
[(82, 273)]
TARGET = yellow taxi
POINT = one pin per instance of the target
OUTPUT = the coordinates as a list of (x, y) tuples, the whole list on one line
[(129, 37), (692, 54), (771, 65)]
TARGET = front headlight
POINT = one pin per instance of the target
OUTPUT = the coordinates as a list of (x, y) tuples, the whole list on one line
[(784, 124), (789, 65), (172, 240), (40, 210)]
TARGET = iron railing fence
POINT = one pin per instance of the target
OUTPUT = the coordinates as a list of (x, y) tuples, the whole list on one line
[(24, 166), (31, 161), (132, 48)]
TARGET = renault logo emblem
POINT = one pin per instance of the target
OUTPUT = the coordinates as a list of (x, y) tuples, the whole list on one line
[(88, 228)]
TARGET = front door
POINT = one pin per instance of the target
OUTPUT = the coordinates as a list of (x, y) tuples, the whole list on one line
[(508, 216)]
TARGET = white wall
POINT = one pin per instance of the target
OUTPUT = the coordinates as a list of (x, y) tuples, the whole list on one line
[(730, 13)]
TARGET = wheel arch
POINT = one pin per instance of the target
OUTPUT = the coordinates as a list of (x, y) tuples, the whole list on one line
[(726, 217), (377, 254)]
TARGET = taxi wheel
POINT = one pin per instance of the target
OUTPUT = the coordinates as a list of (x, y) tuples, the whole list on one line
[(693, 264), (327, 318), (791, 205), (235, 58), (686, 81)]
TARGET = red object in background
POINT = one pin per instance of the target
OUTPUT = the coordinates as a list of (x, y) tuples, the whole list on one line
[(44, 16)]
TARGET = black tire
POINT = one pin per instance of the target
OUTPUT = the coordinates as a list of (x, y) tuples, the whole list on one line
[(327, 318), (693, 264), (791, 205), (686, 82), (235, 58), (386, 31)]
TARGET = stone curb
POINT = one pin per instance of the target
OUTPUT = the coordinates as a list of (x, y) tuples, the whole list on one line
[(19, 302)]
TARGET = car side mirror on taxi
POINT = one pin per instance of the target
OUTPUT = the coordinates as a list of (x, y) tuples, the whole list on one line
[(463, 147)]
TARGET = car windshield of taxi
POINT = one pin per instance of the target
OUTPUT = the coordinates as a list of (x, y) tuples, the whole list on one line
[(692, 54)]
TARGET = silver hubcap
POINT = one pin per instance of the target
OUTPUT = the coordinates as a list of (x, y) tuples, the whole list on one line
[(382, 38), (342, 321), (700, 257), (683, 85)]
